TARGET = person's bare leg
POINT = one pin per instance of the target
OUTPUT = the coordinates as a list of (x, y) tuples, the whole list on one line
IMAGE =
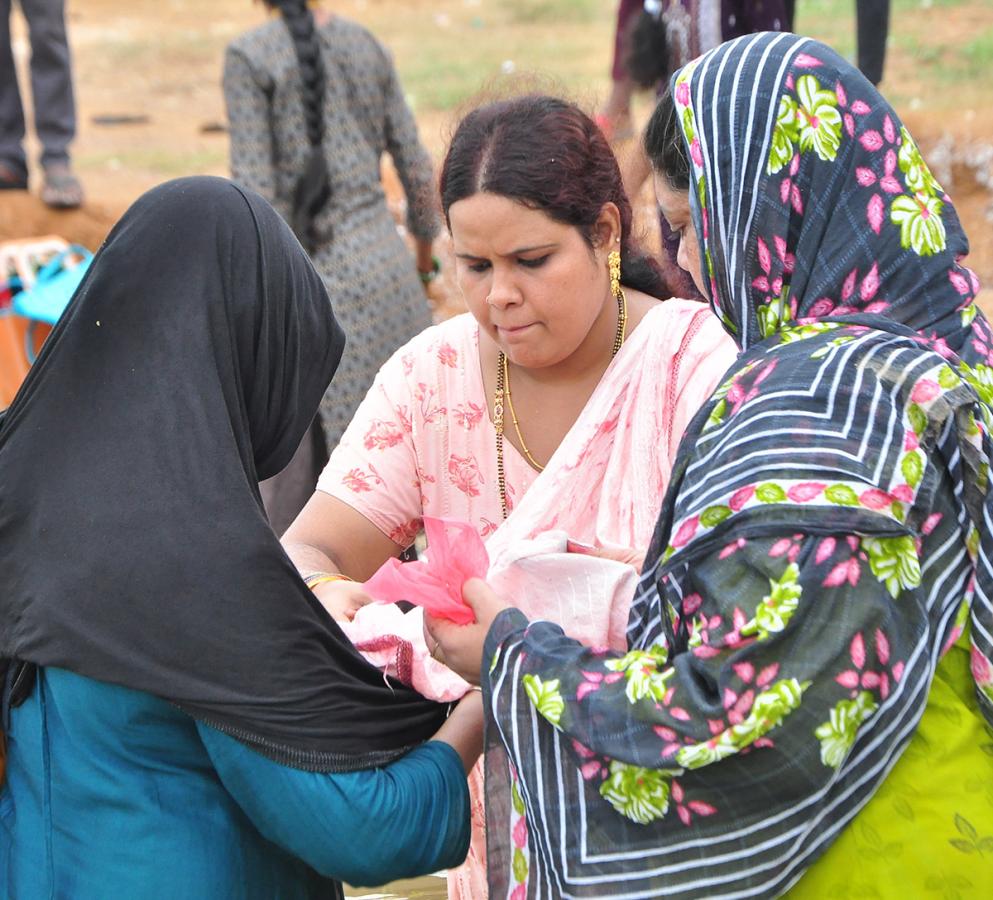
[(615, 117)]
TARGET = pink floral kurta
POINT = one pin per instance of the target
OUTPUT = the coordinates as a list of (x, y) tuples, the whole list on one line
[(422, 441)]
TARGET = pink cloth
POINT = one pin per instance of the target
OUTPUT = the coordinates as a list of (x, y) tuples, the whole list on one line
[(422, 442), (435, 583)]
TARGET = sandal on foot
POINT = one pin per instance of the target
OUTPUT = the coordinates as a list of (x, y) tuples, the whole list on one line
[(11, 179), (61, 189)]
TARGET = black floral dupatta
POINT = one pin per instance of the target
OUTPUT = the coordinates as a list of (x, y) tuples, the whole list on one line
[(825, 538)]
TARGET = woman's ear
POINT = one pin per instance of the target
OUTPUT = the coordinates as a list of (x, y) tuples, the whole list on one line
[(607, 228)]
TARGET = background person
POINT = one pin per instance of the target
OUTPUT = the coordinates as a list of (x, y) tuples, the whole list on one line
[(53, 104), (313, 103)]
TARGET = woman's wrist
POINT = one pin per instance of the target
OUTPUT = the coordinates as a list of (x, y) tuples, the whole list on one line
[(430, 272), (316, 578)]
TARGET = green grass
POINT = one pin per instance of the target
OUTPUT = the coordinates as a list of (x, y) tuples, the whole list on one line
[(552, 12), (976, 59)]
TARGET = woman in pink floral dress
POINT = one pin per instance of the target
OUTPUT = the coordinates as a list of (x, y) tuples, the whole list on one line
[(588, 374)]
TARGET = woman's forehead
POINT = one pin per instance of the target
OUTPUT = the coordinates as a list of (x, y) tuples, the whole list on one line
[(503, 225)]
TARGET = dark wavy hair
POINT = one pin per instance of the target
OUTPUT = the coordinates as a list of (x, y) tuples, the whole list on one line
[(548, 155), (313, 187), (647, 60), (664, 145)]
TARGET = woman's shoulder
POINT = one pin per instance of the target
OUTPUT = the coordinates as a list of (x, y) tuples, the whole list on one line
[(436, 350), (458, 332), (341, 31), (259, 42), (684, 323)]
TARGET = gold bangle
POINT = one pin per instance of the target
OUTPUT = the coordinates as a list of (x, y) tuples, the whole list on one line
[(317, 578)]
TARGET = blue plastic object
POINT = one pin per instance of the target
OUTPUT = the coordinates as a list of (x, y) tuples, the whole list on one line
[(53, 287)]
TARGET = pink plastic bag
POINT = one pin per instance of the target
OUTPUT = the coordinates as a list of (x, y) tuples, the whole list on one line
[(455, 554)]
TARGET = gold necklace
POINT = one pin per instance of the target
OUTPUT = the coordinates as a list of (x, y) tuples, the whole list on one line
[(502, 396)]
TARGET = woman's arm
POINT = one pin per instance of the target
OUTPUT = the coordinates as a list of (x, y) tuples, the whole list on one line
[(412, 161), (331, 536), (368, 827), (368, 504), (328, 536), (795, 641), (249, 126)]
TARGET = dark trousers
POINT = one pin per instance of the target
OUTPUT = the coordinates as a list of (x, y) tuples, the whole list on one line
[(51, 85), (872, 28)]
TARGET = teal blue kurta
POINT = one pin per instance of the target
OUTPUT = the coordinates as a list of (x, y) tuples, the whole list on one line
[(114, 792)]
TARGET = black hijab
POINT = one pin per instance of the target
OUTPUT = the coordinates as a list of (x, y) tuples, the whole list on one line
[(133, 544)]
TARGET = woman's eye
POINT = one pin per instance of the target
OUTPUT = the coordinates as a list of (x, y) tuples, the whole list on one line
[(480, 266), (534, 263)]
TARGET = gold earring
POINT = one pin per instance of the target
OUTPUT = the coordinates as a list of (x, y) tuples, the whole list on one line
[(614, 268)]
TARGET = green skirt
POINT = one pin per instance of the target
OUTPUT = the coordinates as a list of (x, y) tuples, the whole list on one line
[(928, 831)]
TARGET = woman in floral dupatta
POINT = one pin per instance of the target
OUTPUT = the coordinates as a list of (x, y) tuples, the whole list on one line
[(798, 681)]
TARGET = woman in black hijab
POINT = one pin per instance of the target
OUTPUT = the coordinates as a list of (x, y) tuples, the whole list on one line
[(183, 718)]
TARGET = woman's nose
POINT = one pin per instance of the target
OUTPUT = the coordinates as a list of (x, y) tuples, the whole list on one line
[(503, 291)]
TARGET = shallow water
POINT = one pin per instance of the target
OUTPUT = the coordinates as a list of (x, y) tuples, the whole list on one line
[(428, 887)]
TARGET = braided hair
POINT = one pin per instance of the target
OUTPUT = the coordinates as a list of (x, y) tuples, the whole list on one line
[(313, 188)]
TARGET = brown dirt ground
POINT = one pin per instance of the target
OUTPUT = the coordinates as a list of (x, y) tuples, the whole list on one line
[(162, 60)]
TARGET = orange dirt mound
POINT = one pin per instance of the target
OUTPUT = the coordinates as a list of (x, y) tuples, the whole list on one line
[(23, 215)]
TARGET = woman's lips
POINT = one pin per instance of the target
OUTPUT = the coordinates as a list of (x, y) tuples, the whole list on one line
[(512, 331)]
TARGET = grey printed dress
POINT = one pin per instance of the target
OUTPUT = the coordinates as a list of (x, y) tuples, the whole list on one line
[(365, 264)]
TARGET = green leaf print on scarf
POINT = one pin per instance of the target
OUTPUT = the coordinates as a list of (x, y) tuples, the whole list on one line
[(641, 795), (919, 218), (520, 866), (819, 119), (894, 562), (776, 609), (842, 494), (786, 131), (516, 799), (947, 378), (717, 414), (770, 492), (775, 314), (768, 711), (641, 669), (980, 376), (720, 395), (546, 697), (687, 125), (838, 734), (918, 419), (714, 515), (803, 332), (916, 172), (912, 467)]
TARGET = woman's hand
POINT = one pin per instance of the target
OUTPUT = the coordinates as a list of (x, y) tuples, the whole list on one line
[(342, 599), (627, 555), (460, 647), (463, 729)]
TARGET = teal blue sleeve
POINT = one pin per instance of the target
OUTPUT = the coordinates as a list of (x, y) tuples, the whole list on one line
[(405, 819)]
